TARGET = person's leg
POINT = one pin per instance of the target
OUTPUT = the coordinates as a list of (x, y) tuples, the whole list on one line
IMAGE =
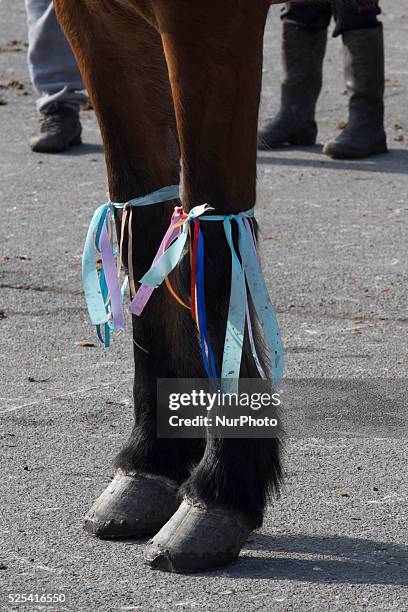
[(55, 75), (304, 39), (363, 49)]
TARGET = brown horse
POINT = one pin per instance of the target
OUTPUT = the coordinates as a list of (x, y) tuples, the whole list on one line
[(171, 80)]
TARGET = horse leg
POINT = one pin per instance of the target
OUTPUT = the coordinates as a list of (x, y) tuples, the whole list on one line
[(121, 59), (214, 55)]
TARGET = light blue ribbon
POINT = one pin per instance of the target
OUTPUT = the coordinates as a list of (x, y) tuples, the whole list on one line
[(164, 194), (90, 278), (261, 301), (234, 335), (92, 288)]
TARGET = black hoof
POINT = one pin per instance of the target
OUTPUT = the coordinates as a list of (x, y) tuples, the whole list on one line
[(197, 538), (132, 506)]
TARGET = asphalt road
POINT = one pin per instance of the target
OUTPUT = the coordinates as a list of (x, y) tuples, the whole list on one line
[(334, 245)]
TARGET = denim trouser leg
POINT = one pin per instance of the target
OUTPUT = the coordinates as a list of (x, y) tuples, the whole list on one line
[(53, 68)]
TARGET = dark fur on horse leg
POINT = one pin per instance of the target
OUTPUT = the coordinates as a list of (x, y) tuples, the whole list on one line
[(239, 474), (214, 53), (121, 59), (144, 451)]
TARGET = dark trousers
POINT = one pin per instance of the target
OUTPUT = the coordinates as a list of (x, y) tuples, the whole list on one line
[(347, 14)]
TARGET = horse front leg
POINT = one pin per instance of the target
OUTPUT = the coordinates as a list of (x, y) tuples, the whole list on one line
[(121, 58), (214, 54)]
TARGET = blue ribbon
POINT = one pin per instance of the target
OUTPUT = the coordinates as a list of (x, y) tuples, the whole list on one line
[(104, 289), (206, 349)]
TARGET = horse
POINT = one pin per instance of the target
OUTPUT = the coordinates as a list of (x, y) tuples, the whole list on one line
[(176, 90)]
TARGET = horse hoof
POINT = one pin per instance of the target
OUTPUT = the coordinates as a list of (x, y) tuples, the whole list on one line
[(133, 505), (197, 538)]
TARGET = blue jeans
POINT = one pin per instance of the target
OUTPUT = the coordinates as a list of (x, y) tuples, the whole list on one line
[(52, 65)]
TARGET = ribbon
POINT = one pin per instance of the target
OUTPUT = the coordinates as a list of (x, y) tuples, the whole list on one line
[(156, 197), (90, 278), (201, 318), (103, 294), (145, 291), (193, 271), (261, 300), (111, 275), (234, 335), (250, 229), (105, 339)]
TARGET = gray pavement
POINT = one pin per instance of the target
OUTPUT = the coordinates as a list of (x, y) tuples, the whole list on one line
[(334, 246)]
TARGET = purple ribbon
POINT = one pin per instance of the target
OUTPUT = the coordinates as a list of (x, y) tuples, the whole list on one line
[(111, 275), (250, 230)]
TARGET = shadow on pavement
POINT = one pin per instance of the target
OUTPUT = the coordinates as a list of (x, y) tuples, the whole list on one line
[(83, 149), (393, 162), (359, 561)]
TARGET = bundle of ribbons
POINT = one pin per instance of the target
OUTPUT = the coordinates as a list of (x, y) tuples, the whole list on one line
[(104, 290)]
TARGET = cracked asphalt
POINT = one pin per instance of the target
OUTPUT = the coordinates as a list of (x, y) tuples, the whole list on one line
[(334, 247)]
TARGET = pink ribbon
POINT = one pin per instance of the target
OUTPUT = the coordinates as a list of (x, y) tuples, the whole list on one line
[(144, 293)]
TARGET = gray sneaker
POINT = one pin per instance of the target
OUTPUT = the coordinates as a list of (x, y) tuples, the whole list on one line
[(60, 129)]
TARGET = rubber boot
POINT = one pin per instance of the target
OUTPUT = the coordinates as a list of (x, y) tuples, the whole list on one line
[(364, 134), (303, 52)]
